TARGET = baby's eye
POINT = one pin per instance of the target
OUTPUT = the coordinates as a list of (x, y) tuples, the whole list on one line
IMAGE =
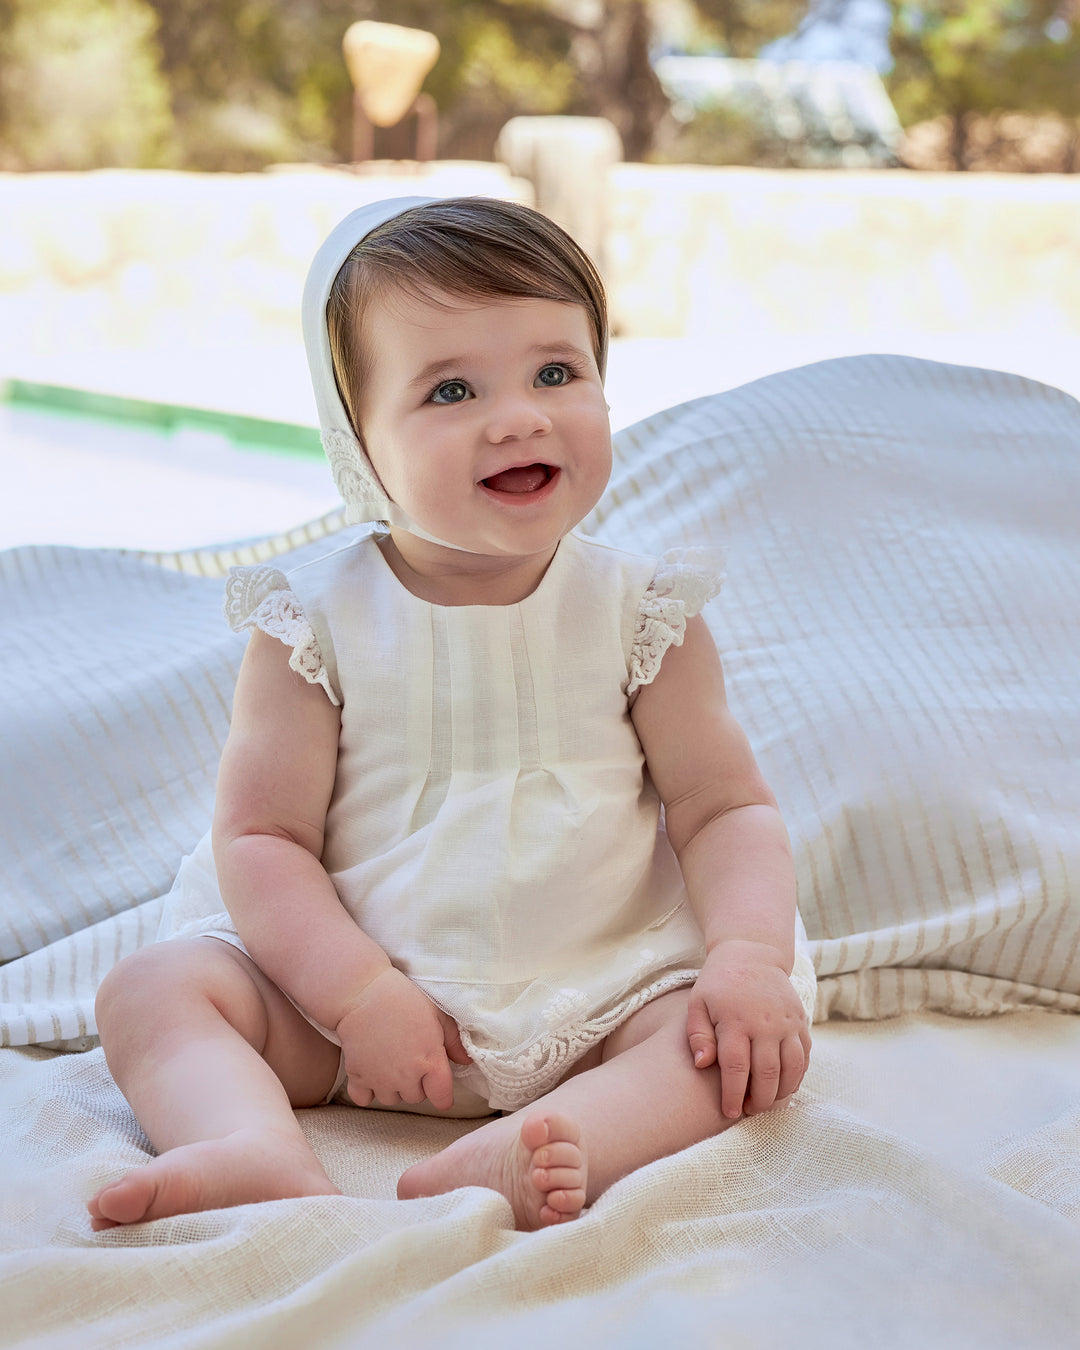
[(550, 377), (450, 391)]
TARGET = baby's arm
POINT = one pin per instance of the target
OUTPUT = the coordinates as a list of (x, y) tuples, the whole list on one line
[(731, 843), (274, 786)]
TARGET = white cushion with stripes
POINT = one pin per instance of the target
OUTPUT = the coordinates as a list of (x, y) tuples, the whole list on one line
[(113, 716), (900, 630)]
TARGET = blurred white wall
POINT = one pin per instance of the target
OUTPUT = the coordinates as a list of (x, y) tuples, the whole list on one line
[(185, 288)]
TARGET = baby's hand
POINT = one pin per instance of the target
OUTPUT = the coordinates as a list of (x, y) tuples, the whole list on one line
[(398, 1046), (745, 1016)]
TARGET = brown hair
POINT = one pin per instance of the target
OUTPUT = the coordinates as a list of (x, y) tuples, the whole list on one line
[(470, 247)]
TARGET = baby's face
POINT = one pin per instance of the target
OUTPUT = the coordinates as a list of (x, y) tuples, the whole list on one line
[(486, 422)]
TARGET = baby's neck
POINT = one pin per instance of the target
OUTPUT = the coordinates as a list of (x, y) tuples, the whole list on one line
[(449, 577)]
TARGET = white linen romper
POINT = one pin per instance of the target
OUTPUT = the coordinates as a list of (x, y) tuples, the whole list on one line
[(493, 826)]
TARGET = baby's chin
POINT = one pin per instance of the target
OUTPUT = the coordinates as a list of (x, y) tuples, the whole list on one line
[(510, 543)]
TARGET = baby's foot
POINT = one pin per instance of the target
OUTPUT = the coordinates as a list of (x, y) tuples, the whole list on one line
[(539, 1165), (242, 1168)]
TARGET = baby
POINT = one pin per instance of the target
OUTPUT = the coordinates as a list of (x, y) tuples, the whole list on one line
[(439, 878)]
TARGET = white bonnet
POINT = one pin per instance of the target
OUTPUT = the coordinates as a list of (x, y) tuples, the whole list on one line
[(364, 496)]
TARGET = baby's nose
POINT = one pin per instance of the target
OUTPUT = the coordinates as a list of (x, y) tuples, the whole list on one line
[(517, 417)]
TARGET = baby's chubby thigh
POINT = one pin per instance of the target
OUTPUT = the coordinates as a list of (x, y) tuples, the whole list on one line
[(664, 1014)]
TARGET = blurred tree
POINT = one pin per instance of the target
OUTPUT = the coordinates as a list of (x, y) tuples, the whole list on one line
[(237, 84), (743, 27), (615, 78), (590, 57), (965, 58), (81, 86), (499, 58), (255, 81)]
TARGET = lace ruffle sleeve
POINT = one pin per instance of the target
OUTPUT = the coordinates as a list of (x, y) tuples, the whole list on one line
[(260, 597), (685, 579)]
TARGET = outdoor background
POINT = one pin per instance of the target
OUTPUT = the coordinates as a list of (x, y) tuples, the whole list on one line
[(796, 181)]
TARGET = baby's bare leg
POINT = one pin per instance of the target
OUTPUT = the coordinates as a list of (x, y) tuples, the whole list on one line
[(213, 1058), (639, 1098)]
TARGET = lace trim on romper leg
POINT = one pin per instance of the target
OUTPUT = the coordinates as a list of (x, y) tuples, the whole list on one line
[(516, 1080), (260, 597), (685, 579)]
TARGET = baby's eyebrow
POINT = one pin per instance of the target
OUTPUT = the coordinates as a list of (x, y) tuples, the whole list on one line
[(444, 366), (570, 349), (427, 376)]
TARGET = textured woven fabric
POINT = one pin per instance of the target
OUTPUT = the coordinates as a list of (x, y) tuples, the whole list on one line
[(923, 1190), (900, 635)]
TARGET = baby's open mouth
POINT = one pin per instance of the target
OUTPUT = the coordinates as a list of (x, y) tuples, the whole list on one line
[(523, 478)]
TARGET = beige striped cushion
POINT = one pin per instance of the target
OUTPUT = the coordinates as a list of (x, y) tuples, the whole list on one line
[(901, 637), (901, 634), (115, 707)]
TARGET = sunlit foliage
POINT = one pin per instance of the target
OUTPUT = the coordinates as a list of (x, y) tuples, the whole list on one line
[(959, 58)]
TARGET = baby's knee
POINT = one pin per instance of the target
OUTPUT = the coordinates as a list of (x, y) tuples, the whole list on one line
[(140, 981), (167, 987), (154, 981)]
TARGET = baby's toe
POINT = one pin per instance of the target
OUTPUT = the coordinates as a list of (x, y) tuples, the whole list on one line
[(556, 1178), (562, 1205), (559, 1154)]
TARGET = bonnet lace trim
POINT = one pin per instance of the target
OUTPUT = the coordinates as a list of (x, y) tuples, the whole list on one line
[(685, 579), (354, 479), (260, 597)]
